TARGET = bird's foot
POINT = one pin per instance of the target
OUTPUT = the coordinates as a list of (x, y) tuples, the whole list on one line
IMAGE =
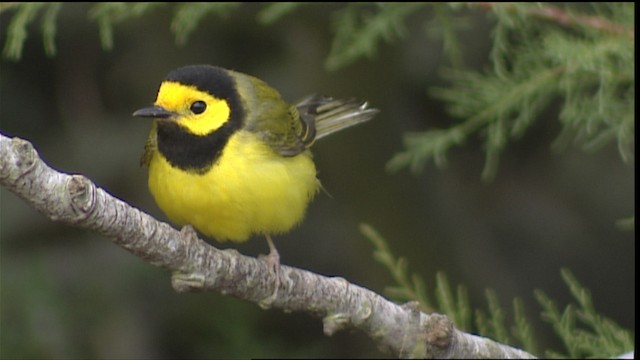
[(273, 263)]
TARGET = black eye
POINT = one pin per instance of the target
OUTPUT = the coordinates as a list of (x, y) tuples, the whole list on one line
[(198, 107)]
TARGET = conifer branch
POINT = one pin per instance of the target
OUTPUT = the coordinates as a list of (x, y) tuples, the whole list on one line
[(403, 331), (564, 18), (561, 17)]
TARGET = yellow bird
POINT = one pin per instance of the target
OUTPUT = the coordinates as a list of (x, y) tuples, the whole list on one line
[(228, 156)]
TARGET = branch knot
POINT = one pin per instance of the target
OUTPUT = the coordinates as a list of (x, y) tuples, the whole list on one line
[(438, 332), (82, 194), (24, 159)]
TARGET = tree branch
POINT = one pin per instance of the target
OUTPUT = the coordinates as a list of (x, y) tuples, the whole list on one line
[(403, 331), (564, 18)]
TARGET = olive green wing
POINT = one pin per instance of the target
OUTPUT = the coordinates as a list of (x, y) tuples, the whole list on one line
[(314, 118), (291, 130), (269, 117)]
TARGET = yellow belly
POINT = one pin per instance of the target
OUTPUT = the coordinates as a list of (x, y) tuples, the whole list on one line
[(250, 190)]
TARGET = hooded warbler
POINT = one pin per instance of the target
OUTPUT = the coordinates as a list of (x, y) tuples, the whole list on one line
[(227, 155)]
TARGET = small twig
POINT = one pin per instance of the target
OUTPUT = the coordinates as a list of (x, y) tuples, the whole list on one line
[(562, 17), (403, 331)]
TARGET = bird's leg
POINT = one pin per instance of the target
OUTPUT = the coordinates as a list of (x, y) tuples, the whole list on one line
[(273, 262), (274, 257)]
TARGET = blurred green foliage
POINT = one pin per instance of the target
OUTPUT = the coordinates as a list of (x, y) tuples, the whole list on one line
[(591, 72), (443, 75), (601, 337)]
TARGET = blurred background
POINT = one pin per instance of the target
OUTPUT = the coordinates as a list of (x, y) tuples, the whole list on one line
[(70, 293)]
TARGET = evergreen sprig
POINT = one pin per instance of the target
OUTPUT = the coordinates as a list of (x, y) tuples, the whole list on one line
[(109, 14), (583, 331), (17, 31), (188, 16), (359, 29), (409, 288), (523, 331), (276, 11), (412, 287), (503, 107)]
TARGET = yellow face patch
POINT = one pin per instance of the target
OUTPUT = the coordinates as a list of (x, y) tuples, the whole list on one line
[(178, 98)]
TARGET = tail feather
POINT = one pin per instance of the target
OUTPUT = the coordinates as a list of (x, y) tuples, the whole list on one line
[(331, 115)]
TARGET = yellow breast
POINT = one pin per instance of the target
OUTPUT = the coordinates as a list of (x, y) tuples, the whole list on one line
[(249, 190)]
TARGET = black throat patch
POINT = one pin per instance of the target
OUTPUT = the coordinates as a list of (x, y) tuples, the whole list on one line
[(189, 152)]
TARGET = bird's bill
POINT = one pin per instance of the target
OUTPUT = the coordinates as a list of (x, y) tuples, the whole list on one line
[(156, 112)]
